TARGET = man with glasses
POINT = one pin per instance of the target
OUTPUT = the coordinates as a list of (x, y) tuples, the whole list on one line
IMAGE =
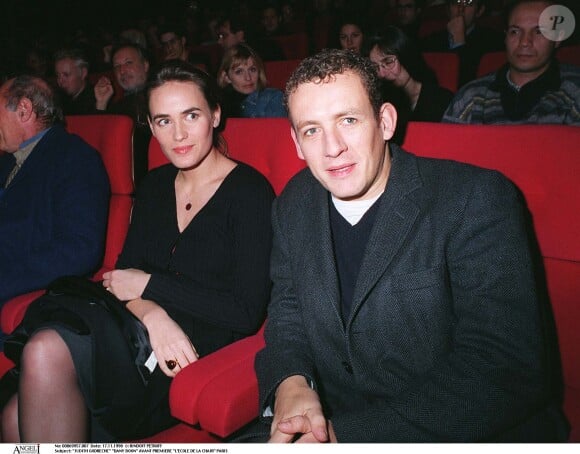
[(532, 87), (464, 37)]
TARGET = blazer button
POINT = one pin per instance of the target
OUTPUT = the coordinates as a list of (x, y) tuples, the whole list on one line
[(347, 367)]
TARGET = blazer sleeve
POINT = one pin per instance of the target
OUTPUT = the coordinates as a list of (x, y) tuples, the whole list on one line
[(493, 378), (287, 351)]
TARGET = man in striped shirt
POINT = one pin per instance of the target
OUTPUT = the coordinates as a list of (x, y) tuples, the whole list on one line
[(532, 87)]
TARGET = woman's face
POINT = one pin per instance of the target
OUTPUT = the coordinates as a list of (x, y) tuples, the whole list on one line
[(388, 67), (244, 76), (351, 37), (183, 123)]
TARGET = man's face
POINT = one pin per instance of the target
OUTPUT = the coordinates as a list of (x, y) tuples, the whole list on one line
[(173, 46), (270, 20), (337, 132), (469, 9), (407, 12), (528, 50), (69, 76), (10, 126), (130, 69), (226, 38)]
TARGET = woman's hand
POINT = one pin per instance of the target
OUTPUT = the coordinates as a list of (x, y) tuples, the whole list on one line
[(126, 284), (170, 344)]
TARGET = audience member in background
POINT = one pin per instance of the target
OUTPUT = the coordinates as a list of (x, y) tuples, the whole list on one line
[(54, 192), (351, 33), (400, 63), (174, 45), (194, 270), (37, 63), (408, 17), (232, 30), (404, 304), (464, 37), (242, 77), (532, 87), (71, 69), (131, 67), (292, 21), (271, 21)]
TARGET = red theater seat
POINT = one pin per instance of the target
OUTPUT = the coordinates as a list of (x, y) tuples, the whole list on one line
[(278, 72), (446, 67)]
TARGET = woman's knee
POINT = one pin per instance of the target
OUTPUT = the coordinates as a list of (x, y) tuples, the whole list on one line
[(46, 351), (9, 421)]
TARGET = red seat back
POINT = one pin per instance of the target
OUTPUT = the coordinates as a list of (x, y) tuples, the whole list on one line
[(446, 67), (278, 72), (263, 143), (112, 136), (294, 46)]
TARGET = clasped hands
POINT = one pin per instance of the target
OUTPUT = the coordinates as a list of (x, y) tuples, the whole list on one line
[(298, 415)]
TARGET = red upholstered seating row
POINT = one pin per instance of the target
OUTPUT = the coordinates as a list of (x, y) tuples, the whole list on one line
[(444, 64), (219, 393)]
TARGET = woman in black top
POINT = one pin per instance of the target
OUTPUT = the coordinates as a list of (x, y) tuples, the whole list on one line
[(400, 64), (194, 270)]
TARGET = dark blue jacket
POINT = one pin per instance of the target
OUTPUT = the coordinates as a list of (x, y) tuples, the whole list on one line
[(53, 216)]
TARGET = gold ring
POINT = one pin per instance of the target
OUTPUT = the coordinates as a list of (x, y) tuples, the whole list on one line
[(171, 363)]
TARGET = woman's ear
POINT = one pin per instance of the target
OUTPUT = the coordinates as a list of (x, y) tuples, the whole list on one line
[(216, 116)]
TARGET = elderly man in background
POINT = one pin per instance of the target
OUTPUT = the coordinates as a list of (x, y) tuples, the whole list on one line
[(54, 192)]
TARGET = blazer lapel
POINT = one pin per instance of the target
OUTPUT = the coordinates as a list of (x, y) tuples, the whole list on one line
[(397, 214), (318, 253)]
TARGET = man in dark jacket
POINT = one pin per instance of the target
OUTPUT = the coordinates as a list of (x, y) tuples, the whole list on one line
[(54, 192)]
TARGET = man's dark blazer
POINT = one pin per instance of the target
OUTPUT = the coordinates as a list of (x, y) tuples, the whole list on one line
[(53, 215), (444, 341)]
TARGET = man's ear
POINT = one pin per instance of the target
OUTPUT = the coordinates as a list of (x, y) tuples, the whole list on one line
[(480, 11), (84, 73), (296, 144), (24, 110), (240, 35), (388, 119)]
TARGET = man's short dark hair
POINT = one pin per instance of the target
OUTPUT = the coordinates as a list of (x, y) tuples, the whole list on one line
[(328, 63), (44, 102)]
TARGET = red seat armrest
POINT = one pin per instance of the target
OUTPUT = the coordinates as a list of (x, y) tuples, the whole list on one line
[(14, 309), (193, 390)]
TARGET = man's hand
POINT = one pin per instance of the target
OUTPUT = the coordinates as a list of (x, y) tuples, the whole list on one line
[(103, 92), (126, 284), (298, 414), (456, 28)]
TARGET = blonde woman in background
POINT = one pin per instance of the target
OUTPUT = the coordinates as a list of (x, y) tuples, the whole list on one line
[(242, 78)]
